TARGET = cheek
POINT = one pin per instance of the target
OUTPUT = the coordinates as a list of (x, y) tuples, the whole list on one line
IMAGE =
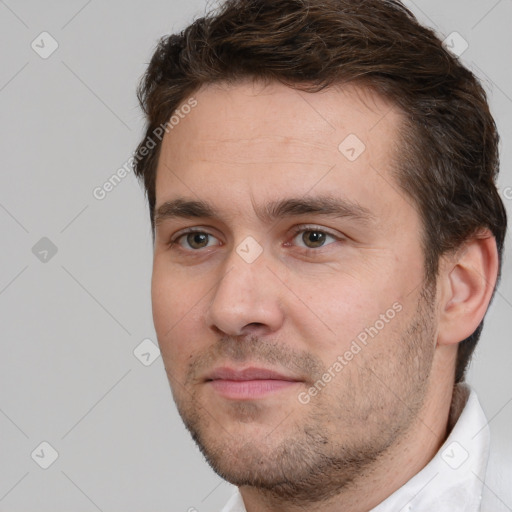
[(340, 311), (163, 300), (335, 307), (176, 316), (173, 294)]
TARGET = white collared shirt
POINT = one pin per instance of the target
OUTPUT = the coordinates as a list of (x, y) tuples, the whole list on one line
[(456, 479)]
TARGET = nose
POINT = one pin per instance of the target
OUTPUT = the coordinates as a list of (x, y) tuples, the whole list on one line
[(246, 299)]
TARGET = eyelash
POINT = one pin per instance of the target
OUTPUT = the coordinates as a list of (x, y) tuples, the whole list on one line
[(296, 230)]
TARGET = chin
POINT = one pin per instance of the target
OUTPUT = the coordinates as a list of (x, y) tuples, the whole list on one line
[(295, 465)]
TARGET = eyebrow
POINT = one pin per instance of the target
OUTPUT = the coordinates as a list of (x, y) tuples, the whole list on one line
[(291, 207)]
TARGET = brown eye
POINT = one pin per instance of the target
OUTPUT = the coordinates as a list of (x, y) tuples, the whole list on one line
[(197, 240), (313, 239), (310, 237), (194, 240)]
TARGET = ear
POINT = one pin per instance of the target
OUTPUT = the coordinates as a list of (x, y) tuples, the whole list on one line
[(466, 284)]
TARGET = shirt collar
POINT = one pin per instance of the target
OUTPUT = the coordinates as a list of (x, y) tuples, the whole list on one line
[(453, 479)]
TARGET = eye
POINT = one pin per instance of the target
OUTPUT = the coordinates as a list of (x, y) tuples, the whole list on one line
[(307, 237), (193, 239), (312, 238)]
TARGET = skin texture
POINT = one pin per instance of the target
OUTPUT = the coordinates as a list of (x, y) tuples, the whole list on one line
[(306, 297)]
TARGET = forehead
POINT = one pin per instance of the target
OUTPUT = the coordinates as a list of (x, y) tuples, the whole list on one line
[(249, 113), (249, 140)]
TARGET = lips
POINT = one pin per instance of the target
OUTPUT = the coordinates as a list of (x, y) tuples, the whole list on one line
[(248, 374), (248, 383)]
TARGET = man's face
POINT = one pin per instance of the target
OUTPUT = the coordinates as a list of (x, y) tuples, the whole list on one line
[(291, 321)]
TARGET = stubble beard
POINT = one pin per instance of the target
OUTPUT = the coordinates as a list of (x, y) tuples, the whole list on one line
[(306, 463)]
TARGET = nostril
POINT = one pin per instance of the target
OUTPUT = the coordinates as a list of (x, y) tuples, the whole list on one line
[(253, 328)]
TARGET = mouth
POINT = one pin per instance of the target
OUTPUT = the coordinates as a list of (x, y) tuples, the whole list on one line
[(249, 383)]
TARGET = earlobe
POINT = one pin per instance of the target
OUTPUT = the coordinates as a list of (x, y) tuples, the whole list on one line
[(467, 280)]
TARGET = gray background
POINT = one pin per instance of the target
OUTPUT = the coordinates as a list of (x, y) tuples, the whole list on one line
[(71, 322)]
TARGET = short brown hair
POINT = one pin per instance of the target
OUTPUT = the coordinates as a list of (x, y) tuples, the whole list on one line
[(450, 160)]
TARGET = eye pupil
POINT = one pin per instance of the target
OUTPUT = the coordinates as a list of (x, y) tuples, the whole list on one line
[(313, 238), (197, 240)]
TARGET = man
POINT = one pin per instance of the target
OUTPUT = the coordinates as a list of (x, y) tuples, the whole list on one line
[(327, 240)]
